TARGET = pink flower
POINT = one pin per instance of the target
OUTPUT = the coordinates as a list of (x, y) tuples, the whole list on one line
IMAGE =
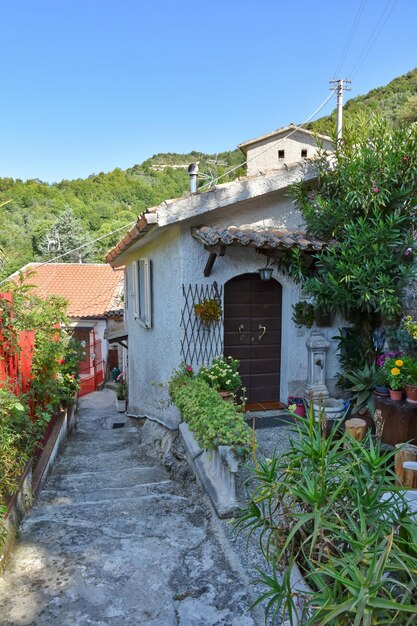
[(405, 159), (62, 361), (73, 376), (375, 189), (408, 251), (189, 368)]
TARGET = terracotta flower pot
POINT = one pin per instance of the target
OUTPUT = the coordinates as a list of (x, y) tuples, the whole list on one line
[(411, 391), (228, 396), (396, 394)]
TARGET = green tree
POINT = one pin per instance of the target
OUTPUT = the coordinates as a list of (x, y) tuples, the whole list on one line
[(365, 204), (66, 234)]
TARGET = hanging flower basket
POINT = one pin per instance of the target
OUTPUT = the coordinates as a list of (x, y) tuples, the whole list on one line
[(208, 311)]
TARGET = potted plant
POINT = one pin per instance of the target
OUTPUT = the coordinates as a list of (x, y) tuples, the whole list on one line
[(381, 382), (410, 371), (303, 314), (321, 520), (363, 384), (223, 375), (396, 377), (208, 311), (121, 395)]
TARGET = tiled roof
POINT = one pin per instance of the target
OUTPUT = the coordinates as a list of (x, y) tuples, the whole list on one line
[(279, 131), (90, 289), (255, 237), (144, 223)]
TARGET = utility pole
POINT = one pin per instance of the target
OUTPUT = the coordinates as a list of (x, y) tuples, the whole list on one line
[(339, 86)]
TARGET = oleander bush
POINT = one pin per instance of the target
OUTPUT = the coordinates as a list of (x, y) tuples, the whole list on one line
[(331, 506)]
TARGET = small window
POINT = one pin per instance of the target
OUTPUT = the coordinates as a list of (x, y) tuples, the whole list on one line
[(281, 154), (143, 294), (304, 153)]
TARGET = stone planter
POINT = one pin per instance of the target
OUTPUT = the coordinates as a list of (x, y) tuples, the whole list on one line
[(333, 408), (121, 406), (411, 391), (215, 470)]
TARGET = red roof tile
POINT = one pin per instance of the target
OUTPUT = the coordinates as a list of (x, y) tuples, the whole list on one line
[(90, 289)]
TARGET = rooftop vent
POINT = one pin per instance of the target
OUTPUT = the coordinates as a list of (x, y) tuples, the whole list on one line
[(193, 174)]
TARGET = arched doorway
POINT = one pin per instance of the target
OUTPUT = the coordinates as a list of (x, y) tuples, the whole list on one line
[(252, 333)]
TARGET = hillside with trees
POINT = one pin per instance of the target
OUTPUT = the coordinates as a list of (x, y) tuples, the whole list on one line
[(32, 212)]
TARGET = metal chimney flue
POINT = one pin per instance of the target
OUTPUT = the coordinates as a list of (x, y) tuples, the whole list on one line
[(193, 174)]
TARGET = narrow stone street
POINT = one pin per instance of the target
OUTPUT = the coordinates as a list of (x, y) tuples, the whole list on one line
[(115, 539)]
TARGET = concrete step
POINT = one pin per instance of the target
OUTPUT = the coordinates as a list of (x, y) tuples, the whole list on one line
[(117, 456), (81, 497), (133, 515), (107, 441), (85, 482)]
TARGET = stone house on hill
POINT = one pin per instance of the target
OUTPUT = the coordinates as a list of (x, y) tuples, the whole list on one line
[(212, 245), (282, 147)]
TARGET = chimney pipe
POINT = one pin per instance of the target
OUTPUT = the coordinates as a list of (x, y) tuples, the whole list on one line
[(193, 174)]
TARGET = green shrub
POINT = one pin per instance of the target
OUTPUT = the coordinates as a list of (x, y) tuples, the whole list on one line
[(213, 421), (16, 441), (321, 505)]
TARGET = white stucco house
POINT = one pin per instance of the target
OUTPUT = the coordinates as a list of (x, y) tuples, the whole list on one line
[(211, 245)]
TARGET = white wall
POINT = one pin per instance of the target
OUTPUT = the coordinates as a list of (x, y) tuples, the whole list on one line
[(179, 259), (155, 352), (263, 156)]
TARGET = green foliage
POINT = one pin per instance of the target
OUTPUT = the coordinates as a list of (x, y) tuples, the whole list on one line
[(67, 233), (365, 204), (223, 375), (54, 378), (331, 506), (102, 202), (121, 390), (303, 314), (396, 102), (213, 421), (209, 310), (16, 441), (363, 383)]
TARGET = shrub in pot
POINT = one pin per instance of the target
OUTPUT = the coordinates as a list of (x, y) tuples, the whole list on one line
[(320, 507)]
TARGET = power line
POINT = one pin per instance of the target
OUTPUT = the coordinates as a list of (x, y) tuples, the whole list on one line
[(84, 245), (236, 167), (350, 36), (383, 18)]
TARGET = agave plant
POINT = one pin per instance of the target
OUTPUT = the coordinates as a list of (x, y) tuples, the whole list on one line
[(364, 381)]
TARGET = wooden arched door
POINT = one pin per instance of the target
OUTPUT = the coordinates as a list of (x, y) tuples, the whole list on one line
[(252, 333)]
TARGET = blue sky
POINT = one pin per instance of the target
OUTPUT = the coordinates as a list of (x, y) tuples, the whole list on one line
[(87, 86)]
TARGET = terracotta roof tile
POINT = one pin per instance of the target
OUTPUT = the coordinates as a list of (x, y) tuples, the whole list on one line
[(255, 237), (90, 289)]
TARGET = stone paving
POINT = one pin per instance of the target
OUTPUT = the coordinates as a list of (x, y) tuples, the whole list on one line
[(114, 540)]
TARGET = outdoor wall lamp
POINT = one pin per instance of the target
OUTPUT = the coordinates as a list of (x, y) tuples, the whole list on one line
[(266, 272)]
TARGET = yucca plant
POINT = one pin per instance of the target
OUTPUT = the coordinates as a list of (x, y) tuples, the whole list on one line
[(321, 506)]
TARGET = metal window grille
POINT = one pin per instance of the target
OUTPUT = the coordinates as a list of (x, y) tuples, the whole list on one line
[(200, 343)]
